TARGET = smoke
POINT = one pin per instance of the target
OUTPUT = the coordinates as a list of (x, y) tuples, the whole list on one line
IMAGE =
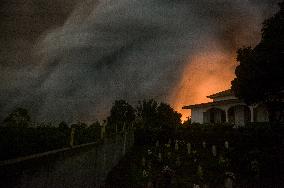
[(129, 49)]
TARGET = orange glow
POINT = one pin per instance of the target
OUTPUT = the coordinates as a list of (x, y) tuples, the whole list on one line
[(205, 74)]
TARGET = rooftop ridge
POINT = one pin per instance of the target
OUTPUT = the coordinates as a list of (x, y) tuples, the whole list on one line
[(221, 94)]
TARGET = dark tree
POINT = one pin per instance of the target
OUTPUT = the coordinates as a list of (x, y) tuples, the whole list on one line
[(121, 114), (154, 115), (18, 118), (167, 117), (260, 74), (63, 125), (147, 113)]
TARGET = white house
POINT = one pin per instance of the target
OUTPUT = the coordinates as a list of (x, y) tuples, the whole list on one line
[(225, 107)]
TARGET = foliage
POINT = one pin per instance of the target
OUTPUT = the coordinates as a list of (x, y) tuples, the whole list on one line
[(121, 114), (147, 113), (167, 117), (260, 75), (153, 115), (63, 125), (18, 118), (251, 157), (186, 123), (17, 141)]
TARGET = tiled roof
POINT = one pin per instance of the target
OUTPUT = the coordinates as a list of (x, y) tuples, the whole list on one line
[(227, 92), (213, 103)]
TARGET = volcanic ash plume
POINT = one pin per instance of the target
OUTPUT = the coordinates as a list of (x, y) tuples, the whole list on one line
[(133, 50)]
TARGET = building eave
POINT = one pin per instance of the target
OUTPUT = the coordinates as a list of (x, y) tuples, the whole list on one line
[(224, 93), (212, 103)]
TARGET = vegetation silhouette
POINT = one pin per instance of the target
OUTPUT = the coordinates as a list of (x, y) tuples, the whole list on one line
[(260, 74)]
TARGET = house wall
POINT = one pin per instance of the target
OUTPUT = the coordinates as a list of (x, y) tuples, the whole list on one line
[(260, 114), (197, 113), (239, 114), (224, 98)]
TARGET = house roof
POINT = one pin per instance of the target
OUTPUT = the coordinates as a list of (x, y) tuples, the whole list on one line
[(225, 93), (214, 103)]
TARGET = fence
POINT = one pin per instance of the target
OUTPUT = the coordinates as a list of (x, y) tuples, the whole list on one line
[(83, 165)]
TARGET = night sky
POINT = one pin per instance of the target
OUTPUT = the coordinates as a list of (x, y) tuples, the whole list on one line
[(69, 61)]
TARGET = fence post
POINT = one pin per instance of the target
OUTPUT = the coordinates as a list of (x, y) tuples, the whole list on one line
[(124, 143), (71, 143), (103, 130)]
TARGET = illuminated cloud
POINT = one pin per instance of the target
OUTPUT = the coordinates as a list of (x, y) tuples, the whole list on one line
[(129, 49)]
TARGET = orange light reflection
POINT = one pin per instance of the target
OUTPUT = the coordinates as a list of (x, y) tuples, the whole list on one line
[(205, 74)]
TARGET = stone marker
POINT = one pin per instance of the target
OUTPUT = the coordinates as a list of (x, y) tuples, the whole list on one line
[(143, 161), (226, 144), (72, 137), (204, 144), (199, 171), (157, 143), (160, 157), (188, 145), (196, 186), (176, 146), (214, 151), (228, 182), (169, 154), (103, 130), (145, 173), (178, 163)]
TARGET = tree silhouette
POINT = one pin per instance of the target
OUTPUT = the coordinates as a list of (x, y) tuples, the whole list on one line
[(154, 115), (260, 74), (168, 117), (147, 113), (18, 118), (121, 114)]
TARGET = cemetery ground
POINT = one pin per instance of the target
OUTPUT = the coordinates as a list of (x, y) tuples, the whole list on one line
[(203, 156)]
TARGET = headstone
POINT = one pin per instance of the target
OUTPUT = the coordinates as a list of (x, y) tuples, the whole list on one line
[(214, 151), (178, 163), (124, 143), (104, 159), (157, 143), (199, 171), (204, 144), (188, 145), (150, 185), (226, 144), (228, 182), (160, 157), (169, 154), (176, 146), (145, 173), (149, 165), (196, 186), (72, 137), (103, 130), (143, 161), (123, 128)]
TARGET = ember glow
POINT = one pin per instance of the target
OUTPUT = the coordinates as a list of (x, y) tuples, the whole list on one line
[(207, 73)]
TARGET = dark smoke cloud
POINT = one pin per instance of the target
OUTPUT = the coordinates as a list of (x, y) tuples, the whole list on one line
[(66, 63)]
